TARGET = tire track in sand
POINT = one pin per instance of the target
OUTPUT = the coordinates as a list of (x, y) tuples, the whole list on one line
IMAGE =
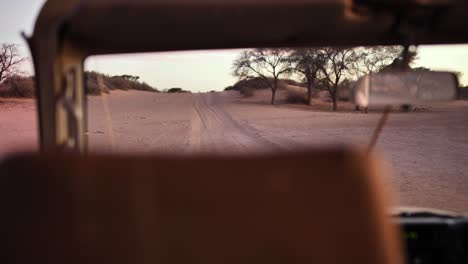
[(213, 129)]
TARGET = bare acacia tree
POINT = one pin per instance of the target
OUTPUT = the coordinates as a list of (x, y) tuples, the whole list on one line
[(375, 59), (372, 60), (399, 63), (268, 64), (10, 59), (339, 64), (308, 62)]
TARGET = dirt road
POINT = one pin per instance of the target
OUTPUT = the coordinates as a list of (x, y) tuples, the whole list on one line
[(428, 150), (214, 129)]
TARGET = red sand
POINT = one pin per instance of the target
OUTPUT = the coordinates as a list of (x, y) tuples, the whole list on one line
[(428, 150)]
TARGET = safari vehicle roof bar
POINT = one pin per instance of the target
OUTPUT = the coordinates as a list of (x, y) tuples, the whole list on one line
[(66, 32)]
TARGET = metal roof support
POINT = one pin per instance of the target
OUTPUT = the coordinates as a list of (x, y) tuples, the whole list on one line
[(59, 84)]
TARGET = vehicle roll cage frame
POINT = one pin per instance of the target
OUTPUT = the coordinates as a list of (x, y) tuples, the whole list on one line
[(67, 32)]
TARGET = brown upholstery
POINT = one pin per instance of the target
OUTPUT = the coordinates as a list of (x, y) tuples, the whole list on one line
[(318, 206)]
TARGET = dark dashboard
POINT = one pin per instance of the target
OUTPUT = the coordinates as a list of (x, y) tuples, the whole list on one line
[(435, 238)]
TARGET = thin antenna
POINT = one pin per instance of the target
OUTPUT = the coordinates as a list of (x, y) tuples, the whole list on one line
[(378, 129)]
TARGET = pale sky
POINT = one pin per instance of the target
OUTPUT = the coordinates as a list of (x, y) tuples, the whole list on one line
[(191, 70)]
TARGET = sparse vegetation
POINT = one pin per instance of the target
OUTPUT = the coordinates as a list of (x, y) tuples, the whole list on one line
[(129, 77), (96, 83), (247, 87), (338, 64), (334, 70), (17, 86), (307, 62), (297, 98), (253, 83), (177, 90), (230, 88), (247, 91), (266, 65), (464, 93), (10, 60)]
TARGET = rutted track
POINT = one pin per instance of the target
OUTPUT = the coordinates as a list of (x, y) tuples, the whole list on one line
[(217, 131)]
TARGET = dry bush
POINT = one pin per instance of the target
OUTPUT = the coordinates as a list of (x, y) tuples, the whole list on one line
[(143, 87), (254, 83), (345, 91), (247, 91), (113, 83), (174, 90), (177, 90), (244, 86), (464, 93), (118, 83), (296, 98), (92, 86), (323, 96), (230, 88), (17, 86), (23, 87)]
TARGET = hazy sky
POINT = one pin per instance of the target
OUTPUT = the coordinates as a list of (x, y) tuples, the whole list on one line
[(193, 70)]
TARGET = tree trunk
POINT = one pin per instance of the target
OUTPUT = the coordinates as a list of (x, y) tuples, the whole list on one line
[(309, 94), (273, 93), (335, 106), (334, 96)]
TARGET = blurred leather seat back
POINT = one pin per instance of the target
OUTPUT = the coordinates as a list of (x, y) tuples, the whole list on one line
[(319, 206)]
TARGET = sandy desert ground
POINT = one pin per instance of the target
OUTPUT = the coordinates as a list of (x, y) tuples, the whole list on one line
[(428, 150)]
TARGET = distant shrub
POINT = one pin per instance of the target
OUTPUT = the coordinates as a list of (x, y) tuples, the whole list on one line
[(174, 90), (406, 107), (260, 83), (92, 84), (464, 93), (230, 88), (177, 90), (129, 77), (247, 91), (345, 91), (118, 83), (123, 82), (296, 98), (254, 83), (143, 87), (17, 86)]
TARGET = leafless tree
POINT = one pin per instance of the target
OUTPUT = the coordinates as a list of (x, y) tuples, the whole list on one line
[(374, 59), (339, 64), (10, 59), (308, 62), (399, 63), (267, 64)]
